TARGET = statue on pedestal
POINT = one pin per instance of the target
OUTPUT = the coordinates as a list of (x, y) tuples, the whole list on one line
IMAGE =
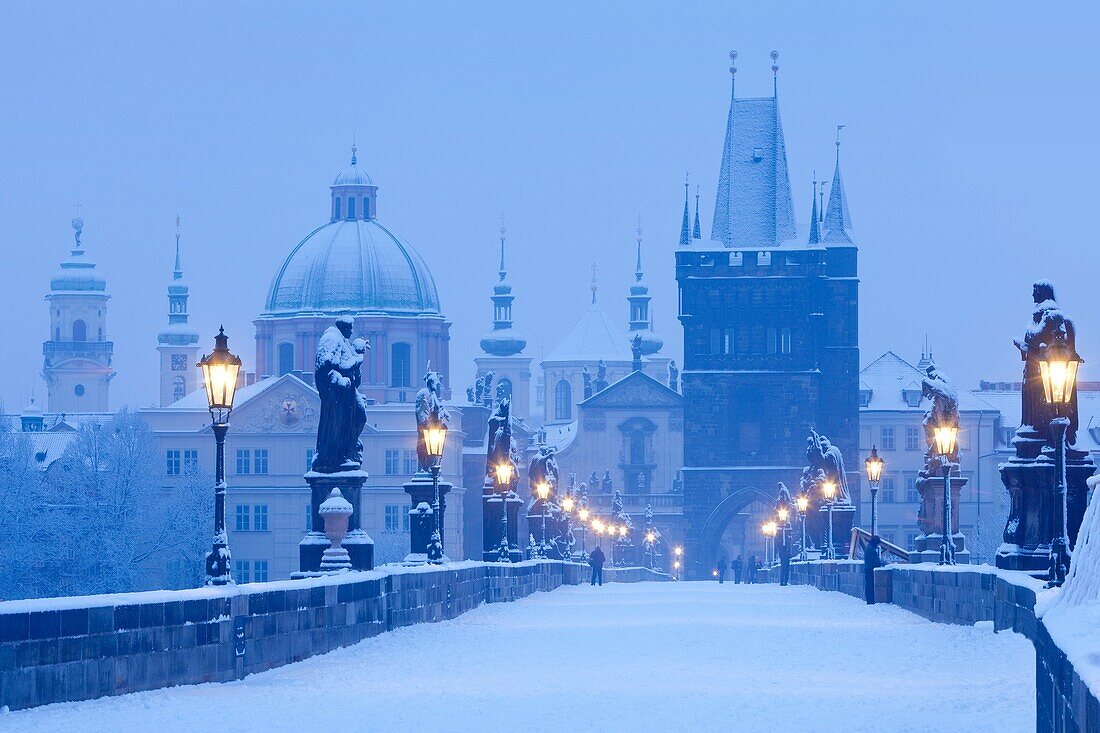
[(825, 457), (1046, 319), (343, 409), (601, 376), (636, 353), (673, 376), (943, 412), (586, 379), (487, 388)]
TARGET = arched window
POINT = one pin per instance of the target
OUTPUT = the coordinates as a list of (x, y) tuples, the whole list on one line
[(179, 389), (504, 388), (286, 358), (563, 401), (57, 333), (336, 208), (366, 208), (351, 208), (80, 330), (401, 365)]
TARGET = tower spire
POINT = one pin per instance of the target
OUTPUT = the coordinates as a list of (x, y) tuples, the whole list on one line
[(641, 325), (696, 232), (838, 224), (815, 230), (503, 272), (638, 265), (177, 272), (685, 226), (594, 287)]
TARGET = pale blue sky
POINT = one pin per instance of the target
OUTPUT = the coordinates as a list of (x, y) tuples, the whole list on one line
[(970, 156)]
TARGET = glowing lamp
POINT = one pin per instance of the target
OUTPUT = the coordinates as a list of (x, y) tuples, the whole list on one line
[(783, 513), (1058, 368), (568, 503), (504, 473), (543, 490), (622, 530), (219, 375), (583, 514), (874, 464), (803, 503), (435, 439), (828, 490), (945, 436), (679, 551)]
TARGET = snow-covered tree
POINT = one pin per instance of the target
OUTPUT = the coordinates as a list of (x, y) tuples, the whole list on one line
[(22, 495)]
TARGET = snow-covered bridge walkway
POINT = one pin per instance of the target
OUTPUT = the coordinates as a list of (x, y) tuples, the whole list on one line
[(649, 656)]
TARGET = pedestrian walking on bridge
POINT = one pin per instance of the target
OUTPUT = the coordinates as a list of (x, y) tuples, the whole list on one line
[(872, 558), (596, 560), (737, 566)]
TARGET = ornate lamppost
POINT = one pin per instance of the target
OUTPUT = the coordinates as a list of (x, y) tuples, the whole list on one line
[(543, 491), (1058, 367), (803, 503), (219, 375), (623, 529), (503, 473), (769, 529), (874, 476), (945, 436), (678, 551), (435, 439), (568, 503), (828, 490), (582, 514), (650, 543)]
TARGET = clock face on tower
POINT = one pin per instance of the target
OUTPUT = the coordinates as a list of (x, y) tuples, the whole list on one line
[(179, 362)]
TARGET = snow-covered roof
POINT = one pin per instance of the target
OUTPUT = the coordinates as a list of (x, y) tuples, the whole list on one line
[(753, 206), (593, 337), (889, 378), (561, 436), (197, 399)]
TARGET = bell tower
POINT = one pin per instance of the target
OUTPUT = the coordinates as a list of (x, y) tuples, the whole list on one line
[(77, 356), (177, 343)]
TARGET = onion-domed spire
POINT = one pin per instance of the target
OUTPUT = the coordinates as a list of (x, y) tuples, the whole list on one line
[(503, 341), (639, 305)]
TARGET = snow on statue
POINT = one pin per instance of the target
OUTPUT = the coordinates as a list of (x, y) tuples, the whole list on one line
[(343, 408), (429, 411)]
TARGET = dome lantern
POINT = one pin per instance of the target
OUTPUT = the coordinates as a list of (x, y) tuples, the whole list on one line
[(353, 193)]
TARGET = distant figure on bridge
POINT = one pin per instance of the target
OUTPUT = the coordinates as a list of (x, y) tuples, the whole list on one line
[(737, 566), (786, 549), (754, 568), (872, 558), (596, 560)]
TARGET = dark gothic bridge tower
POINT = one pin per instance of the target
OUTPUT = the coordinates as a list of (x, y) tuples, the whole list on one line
[(770, 332)]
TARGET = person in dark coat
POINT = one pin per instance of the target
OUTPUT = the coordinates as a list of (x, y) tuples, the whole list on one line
[(737, 565), (596, 560), (754, 568), (872, 558), (786, 549)]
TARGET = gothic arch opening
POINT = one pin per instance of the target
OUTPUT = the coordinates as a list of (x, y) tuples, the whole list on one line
[(733, 528)]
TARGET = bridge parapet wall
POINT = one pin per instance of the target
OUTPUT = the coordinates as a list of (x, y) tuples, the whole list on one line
[(80, 648)]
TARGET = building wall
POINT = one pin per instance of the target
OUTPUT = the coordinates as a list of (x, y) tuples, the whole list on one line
[(176, 363), (78, 372)]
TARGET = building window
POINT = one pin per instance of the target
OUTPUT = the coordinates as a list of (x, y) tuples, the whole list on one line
[(637, 448), (722, 341), (912, 438), (563, 401), (393, 457), (785, 341), (773, 341), (887, 493), (259, 571), (887, 441), (286, 358), (351, 208), (259, 518), (336, 208), (259, 461), (400, 365), (242, 524), (79, 390), (244, 457), (309, 458), (240, 569), (911, 493), (715, 341), (910, 540), (57, 332), (80, 330), (190, 461), (179, 388), (409, 462), (173, 463), (393, 517)]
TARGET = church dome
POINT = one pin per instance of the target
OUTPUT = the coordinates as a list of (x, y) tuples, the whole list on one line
[(353, 264)]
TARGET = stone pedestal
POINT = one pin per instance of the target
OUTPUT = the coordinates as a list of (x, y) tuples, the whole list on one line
[(844, 516), (421, 493), (930, 519), (1029, 480), (492, 503), (360, 547)]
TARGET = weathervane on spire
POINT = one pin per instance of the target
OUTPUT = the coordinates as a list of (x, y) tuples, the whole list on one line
[(838, 129), (638, 266), (354, 151), (775, 73), (503, 272), (177, 274), (593, 283)]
